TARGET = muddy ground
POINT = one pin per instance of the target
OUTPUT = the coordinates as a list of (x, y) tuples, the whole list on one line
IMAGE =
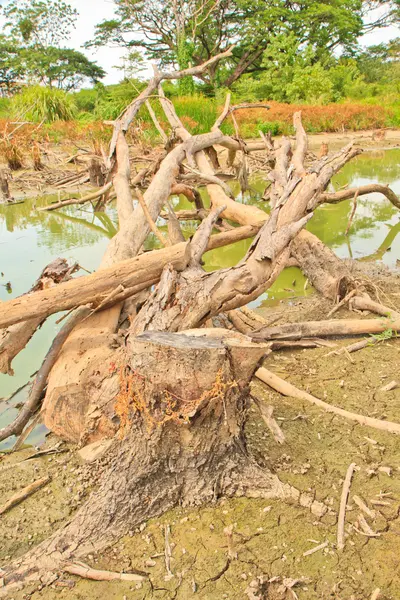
[(270, 537)]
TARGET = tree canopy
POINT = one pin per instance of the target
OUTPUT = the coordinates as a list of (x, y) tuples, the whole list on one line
[(184, 32), (31, 51)]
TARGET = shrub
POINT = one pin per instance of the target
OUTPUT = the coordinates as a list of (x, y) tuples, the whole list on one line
[(39, 103)]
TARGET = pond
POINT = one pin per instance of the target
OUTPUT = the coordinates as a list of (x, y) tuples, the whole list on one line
[(29, 240)]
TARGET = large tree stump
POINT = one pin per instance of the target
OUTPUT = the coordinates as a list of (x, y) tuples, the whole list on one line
[(181, 408)]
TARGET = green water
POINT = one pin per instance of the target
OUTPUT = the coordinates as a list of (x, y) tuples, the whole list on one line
[(29, 240)]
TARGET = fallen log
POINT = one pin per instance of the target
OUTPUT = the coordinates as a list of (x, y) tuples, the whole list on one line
[(138, 273)]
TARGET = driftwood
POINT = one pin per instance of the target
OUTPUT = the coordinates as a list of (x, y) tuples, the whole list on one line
[(178, 429)]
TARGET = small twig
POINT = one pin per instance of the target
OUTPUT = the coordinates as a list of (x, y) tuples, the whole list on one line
[(365, 528), (118, 290), (26, 432), (345, 299), (375, 594), (11, 396), (24, 493), (352, 212), (316, 549), (361, 504), (167, 552), (343, 502), (86, 572)]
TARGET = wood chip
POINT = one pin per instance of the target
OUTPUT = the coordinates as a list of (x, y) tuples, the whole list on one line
[(365, 528), (390, 386)]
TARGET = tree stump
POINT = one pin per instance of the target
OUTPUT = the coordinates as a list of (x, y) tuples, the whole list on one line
[(96, 174), (4, 187), (181, 410)]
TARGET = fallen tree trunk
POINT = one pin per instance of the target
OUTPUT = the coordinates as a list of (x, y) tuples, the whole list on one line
[(134, 274), (139, 273)]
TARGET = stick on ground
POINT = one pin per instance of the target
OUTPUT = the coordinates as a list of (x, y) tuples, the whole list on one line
[(287, 389), (87, 572), (343, 503), (24, 493)]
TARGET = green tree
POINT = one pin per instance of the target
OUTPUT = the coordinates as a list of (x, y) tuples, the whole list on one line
[(36, 30), (59, 67), (184, 32), (42, 23), (11, 69)]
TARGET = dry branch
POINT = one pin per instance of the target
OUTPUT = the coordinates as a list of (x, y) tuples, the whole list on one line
[(287, 389), (371, 188), (14, 338), (86, 572), (335, 328), (87, 198), (24, 493)]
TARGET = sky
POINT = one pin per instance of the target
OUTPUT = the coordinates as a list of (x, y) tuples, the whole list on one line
[(92, 12)]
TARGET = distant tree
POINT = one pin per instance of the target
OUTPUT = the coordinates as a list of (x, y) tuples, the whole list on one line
[(42, 23), (184, 32), (36, 29), (58, 67), (11, 69), (380, 63)]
